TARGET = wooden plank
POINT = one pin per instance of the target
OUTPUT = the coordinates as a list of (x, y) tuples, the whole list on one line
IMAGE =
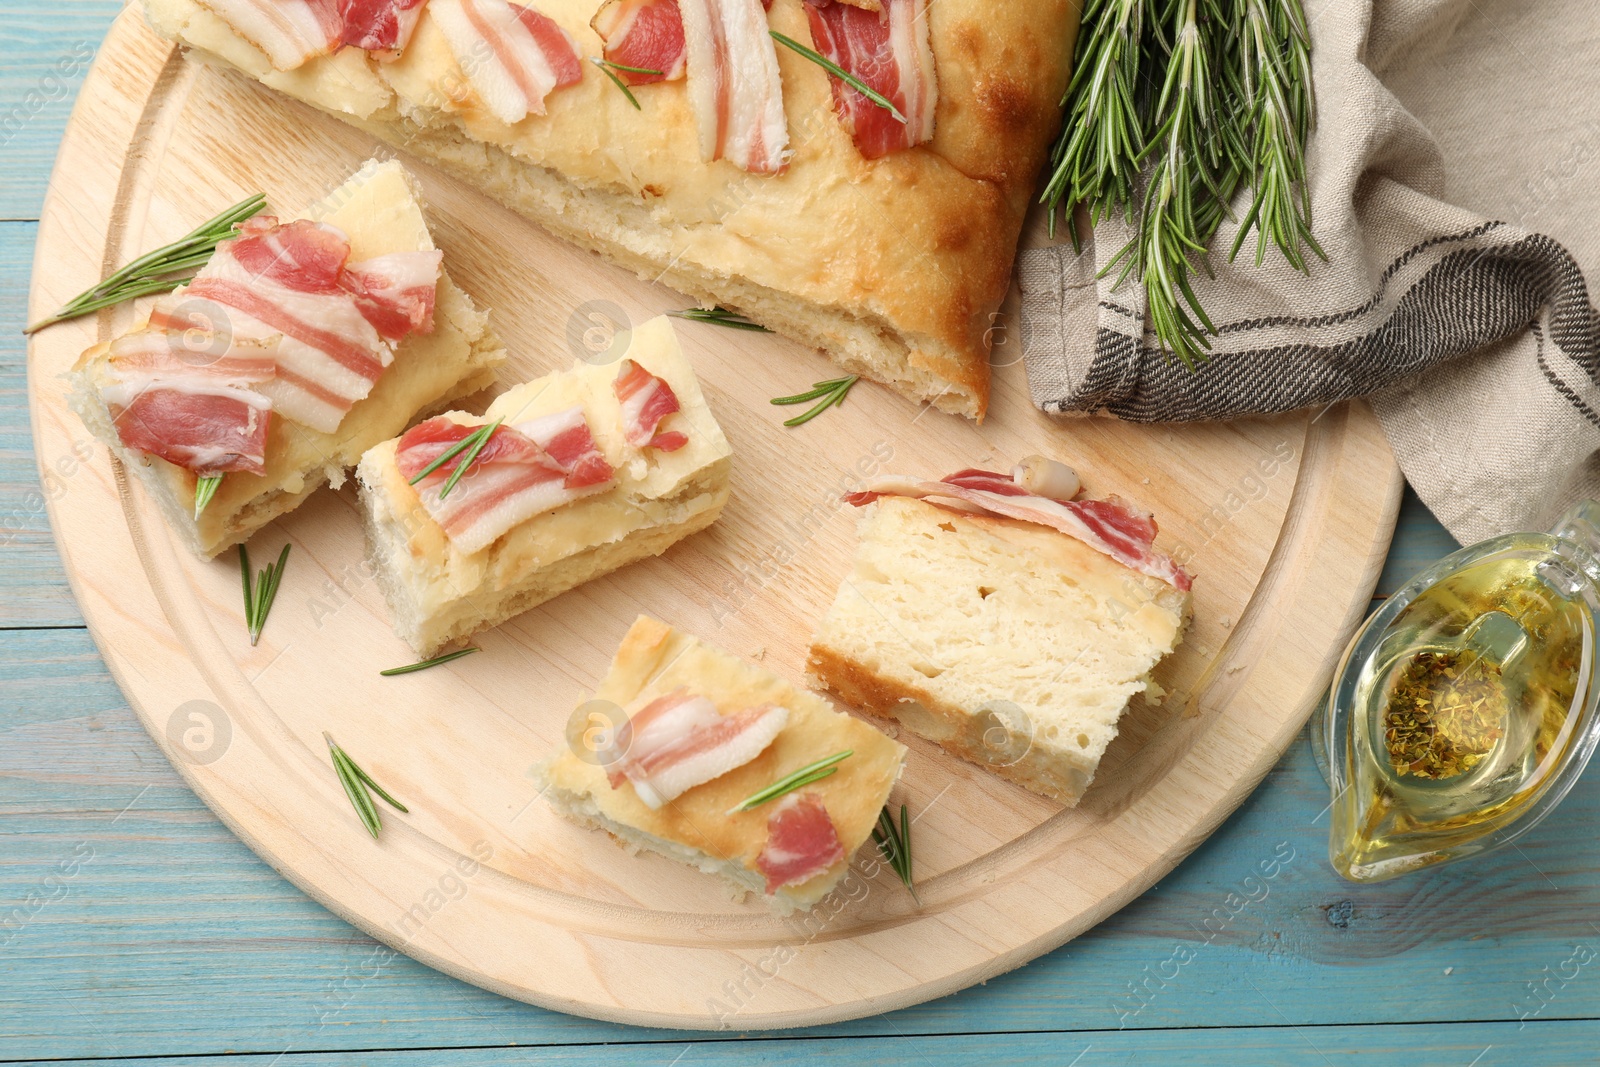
[(1448, 1045), (1418, 541), (174, 937), (36, 592), (47, 49)]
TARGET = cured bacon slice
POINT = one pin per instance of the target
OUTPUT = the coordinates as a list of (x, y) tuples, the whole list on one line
[(187, 397), (679, 741), (513, 56), (565, 435), (395, 293), (330, 324), (888, 51), (733, 84), (646, 399), (379, 25), (647, 34), (801, 841), (288, 31), (1111, 526), (512, 479)]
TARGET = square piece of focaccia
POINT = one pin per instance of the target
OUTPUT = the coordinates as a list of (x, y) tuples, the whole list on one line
[(1006, 642), (893, 258), (687, 733), (509, 541), (380, 211)]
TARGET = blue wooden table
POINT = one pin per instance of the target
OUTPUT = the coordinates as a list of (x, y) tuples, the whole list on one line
[(135, 928)]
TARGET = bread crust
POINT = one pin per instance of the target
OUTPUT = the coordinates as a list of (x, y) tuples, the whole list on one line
[(897, 266)]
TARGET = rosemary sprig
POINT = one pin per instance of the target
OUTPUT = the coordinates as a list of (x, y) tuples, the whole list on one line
[(609, 69), (156, 271), (356, 782), (205, 487), (832, 393), (258, 598), (811, 772), (471, 444), (839, 72), (434, 662), (719, 317), (1199, 97), (895, 844)]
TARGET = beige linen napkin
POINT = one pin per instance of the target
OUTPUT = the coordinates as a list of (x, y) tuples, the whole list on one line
[(1456, 161)]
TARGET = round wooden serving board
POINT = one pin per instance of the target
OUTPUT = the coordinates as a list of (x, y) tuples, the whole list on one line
[(1287, 520)]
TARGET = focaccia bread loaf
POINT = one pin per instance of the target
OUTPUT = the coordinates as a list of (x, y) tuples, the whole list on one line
[(380, 210), (896, 266), (438, 594), (1005, 642), (697, 828)]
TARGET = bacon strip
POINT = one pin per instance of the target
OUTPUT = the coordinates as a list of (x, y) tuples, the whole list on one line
[(802, 841), (1110, 526), (565, 435), (288, 31), (395, 293), (889, 52), (512, 479), (332, 325), (733, 84), (646, 400), (379, 25), (187, 398), (679, 741), (513, 56), (642, 33)]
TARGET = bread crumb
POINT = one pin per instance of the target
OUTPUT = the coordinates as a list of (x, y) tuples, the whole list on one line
[(1146, 481), (1226, 622)]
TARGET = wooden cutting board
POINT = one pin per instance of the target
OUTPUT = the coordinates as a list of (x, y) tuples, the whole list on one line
[(1286, 521)]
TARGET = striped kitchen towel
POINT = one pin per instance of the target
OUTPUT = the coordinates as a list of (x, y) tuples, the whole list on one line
[(1455, 182)]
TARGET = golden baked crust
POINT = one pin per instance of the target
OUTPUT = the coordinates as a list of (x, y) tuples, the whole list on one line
[(896, 266), (653, 660), (380, 211)]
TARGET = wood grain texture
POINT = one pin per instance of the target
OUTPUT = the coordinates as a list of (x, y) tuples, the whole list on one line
[(1286, 521), (1457, 1045), (174, 938)]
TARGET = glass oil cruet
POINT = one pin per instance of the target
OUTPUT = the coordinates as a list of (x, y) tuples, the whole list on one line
[(1465, 707)]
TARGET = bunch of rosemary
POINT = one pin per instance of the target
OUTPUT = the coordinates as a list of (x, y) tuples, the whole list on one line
[(1174, 105)]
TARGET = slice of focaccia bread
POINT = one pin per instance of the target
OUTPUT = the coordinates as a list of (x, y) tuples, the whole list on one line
[(895, 265), (795, 848), (1006, 642), (380, 211), (445, 575)]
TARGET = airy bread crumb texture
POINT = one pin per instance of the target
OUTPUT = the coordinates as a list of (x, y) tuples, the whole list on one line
[(1006, 643)]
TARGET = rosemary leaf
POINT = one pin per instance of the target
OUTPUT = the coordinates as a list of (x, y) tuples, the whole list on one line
[(804, 776), (839, 72), (605, 68), (719, 317), (355, 782), (832, 393), (205, 487), (895, 844), (634, 70), (472, 444), (156, 272), (259, 597), (357, 792), (434, 662)]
